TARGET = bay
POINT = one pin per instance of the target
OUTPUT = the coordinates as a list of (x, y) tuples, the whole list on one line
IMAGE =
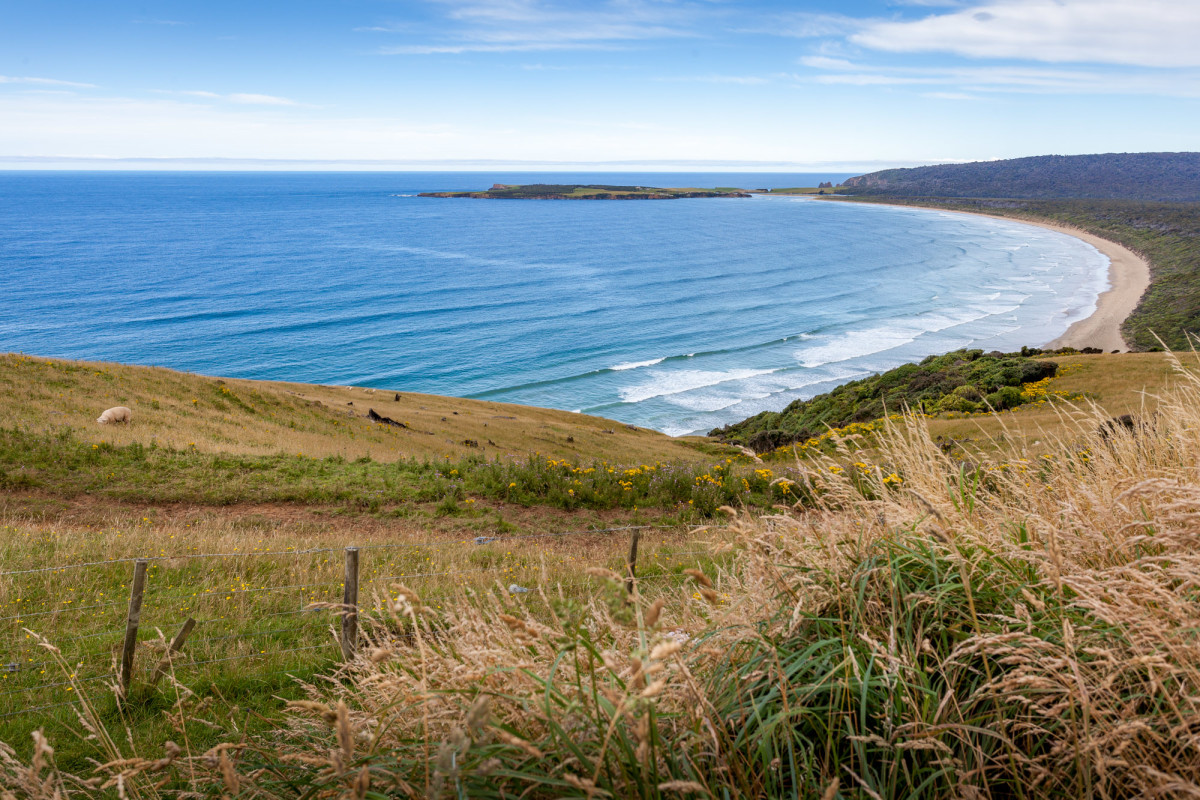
[(678, 315)]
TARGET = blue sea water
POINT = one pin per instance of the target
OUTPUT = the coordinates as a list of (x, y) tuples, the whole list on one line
[(678, 315)]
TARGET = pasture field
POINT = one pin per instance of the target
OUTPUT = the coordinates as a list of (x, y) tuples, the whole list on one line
[(933, 622)]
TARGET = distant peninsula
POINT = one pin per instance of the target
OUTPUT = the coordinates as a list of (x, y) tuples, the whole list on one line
[(554, 191)]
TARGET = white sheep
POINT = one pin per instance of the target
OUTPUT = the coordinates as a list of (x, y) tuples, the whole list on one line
[(114, 415)]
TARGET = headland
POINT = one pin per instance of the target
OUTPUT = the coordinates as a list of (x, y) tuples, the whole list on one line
[(572, 191)]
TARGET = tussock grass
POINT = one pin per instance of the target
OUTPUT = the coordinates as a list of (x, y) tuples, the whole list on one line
[(967, 632), (1021, 626), (1125, 383), (263, 606)]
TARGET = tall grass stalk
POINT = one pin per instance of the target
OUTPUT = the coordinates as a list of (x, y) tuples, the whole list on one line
[(1024, 627)]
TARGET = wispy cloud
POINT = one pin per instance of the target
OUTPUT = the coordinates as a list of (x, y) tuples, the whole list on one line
[(1004, 78), (808, 25), (1147, 33), (45, 82), (949, 96), (260, 100), (454, 49), (508, 26), (929, 3), (241, 98), (735, 80)]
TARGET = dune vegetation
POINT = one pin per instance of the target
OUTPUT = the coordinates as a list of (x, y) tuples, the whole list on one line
[(1019, 625)]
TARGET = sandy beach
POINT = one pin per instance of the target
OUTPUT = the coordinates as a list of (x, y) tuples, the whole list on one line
[(1128, 278)]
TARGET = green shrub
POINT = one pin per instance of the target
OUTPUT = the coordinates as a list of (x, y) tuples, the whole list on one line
[(1005, 397)]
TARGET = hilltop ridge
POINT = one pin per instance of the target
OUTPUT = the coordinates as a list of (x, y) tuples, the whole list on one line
[(1169, 177)]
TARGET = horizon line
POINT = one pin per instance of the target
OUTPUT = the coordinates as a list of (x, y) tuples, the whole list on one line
[(9, 163)]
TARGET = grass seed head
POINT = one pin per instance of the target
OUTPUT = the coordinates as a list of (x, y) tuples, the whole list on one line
[(665, 650), (654, 612)]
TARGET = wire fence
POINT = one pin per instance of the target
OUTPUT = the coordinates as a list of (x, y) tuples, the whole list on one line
[(279, 611)]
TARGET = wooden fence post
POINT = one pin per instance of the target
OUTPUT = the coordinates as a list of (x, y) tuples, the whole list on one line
[(174, 647), (631, 562), (131, 623), (350, 605)]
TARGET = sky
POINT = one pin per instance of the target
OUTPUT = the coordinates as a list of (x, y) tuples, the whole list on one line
[(820, 85)]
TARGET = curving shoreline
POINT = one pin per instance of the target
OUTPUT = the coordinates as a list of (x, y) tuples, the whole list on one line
[(1128, 278)]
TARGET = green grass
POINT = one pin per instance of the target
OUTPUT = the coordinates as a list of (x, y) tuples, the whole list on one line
[(879, 682), (807, 190), (59, 464), (263, 611), (962, 382)]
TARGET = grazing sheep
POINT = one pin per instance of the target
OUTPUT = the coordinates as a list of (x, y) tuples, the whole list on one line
[(114, 415)]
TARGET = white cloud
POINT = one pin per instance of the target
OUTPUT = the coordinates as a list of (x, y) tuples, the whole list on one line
[(1040, 80), (807, 25), (45, 82), (824, 62), (1149, 33), (736, 80), (949, 96), (241, 98), (454, 49), (506, 26), (261, 100), (929, 3)]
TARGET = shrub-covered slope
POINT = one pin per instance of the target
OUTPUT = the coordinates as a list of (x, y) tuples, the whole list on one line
[(963, 380), (1139, 176)]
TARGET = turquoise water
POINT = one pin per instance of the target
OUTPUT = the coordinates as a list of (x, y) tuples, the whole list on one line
[(678, 315)]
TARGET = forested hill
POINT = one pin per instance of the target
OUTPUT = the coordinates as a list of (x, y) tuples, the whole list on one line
[(1130, 176)]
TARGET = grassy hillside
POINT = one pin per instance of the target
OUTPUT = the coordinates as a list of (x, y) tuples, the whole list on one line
[(954, 393), (964, 381), (1022, 627), (1130, 176), (276, 479), (225, 415)]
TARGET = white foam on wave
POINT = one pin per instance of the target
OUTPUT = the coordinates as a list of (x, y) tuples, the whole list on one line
[(745, 392), (636, 364), (887, 336), (673, 382), (855, 344), (709, 402)]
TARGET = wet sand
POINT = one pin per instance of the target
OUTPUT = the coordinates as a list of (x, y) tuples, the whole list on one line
[(1128, 277)]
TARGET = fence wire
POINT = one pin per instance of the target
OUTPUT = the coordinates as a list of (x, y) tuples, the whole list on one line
[(309, 551), (263, 596)]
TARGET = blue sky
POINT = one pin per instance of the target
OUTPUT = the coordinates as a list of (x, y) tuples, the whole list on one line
[(811, 84)]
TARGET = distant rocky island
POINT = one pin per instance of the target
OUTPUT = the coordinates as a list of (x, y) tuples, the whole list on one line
[(554, 191)]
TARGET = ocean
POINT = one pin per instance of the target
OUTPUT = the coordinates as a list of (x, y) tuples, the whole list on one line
[(677, 315)]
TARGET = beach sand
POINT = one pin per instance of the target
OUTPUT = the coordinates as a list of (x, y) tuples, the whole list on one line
[(1128, 277)]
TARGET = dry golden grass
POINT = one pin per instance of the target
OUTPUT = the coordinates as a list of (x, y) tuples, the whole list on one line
[(1118, 383), (263, 417), (1026, 629), (1021, 631)]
